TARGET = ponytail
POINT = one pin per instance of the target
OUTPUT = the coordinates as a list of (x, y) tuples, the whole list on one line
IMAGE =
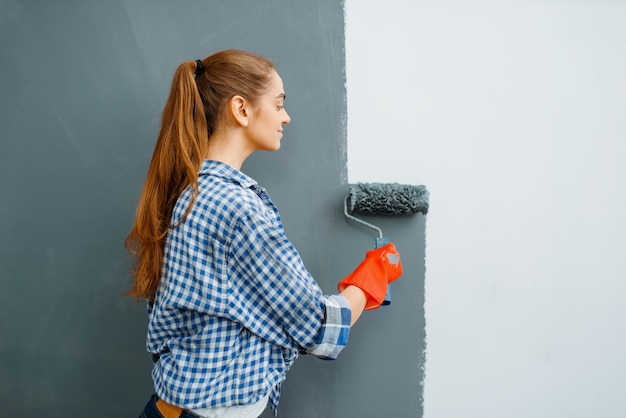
[(181, 146)]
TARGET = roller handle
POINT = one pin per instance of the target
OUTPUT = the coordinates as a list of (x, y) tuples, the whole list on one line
[(381, 241)]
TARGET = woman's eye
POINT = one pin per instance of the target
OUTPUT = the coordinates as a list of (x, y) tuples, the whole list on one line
[(282, 107)]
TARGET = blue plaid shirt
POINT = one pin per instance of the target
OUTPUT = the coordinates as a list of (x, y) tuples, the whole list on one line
[(235, 304)]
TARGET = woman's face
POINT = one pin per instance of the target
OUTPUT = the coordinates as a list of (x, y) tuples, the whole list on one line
[(265, 128)]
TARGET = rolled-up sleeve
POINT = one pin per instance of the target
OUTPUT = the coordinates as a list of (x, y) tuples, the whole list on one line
[(333, 335)]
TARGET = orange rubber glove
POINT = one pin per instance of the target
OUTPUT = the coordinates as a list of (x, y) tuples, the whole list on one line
[(380, 267)]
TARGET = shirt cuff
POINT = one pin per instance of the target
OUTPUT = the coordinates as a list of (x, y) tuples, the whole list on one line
[(333, 335)]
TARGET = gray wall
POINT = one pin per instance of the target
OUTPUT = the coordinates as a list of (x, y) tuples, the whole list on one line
[(82, 87)]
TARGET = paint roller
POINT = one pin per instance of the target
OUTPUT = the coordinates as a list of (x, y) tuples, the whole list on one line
[(384, 199)]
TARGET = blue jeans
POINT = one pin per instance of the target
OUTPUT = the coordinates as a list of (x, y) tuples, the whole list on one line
[(151, 410)]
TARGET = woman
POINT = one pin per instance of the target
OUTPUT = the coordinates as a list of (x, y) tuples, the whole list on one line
[(230, 302)]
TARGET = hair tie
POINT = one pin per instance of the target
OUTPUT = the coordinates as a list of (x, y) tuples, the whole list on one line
[(199, 68)]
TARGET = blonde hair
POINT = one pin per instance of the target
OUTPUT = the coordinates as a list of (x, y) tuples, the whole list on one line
[(192, 113)]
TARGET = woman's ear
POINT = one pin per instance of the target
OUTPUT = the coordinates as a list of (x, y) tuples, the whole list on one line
[(240, 110)]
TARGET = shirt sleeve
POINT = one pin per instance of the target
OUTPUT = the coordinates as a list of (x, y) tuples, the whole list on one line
[(274, 296), (333, 336)]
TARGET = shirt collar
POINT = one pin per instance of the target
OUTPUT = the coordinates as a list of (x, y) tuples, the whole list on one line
[(220, 169)]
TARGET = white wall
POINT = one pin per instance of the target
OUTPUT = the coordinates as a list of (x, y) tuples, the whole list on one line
[(513, 113)]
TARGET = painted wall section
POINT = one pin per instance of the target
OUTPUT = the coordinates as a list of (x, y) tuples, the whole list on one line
[(82, 89), (512, 113)]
